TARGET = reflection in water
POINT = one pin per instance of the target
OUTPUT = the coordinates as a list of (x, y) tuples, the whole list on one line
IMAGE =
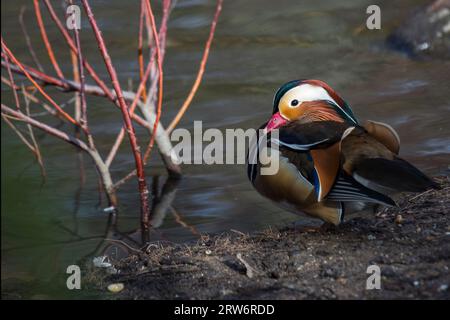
[(117, 245)]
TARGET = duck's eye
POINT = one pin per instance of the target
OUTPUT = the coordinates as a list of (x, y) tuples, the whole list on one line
[(294, 102)]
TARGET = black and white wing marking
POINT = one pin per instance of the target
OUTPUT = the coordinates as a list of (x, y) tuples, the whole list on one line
[(346, 188)]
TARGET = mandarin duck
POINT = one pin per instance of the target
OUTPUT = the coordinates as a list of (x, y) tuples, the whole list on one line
[(329, 165)]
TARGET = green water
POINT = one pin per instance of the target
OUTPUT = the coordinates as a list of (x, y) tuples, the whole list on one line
[(258, 46)]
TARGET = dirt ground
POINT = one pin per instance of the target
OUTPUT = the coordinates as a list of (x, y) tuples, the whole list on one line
[(410, 244)]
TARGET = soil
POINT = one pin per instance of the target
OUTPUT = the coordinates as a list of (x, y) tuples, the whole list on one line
[(410, 244)]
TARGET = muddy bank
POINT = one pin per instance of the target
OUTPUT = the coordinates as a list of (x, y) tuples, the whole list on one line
[(410, 244)]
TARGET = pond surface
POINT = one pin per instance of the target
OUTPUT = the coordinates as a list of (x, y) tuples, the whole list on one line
[(258, 46)]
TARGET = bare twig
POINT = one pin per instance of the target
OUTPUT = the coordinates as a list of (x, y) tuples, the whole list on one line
[(37, 150), (52, 102), (201, 70), (121, 134), (76, 78), (18, 132), (100, 165), (68, 85), (32, 98), (160, 77), (140, 47), (141, 88), (48, 129), (13, 84), (72, 46), (27, 39), (47, 43), (83, 105), (143, 189)]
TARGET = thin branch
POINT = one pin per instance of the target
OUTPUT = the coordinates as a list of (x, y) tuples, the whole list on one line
[(32, 98), (28, 40), (52, 102), (162, 138), (141, 89), (100, 165), (37, 150), (151, 24), (13, 84), (140, 48), (121, 134), (68, 85), (47, 43), (160, 77), (18, 132), (201, 70), (72, 46), (76, 78), (83, 105), (143, 189), (42, 126)]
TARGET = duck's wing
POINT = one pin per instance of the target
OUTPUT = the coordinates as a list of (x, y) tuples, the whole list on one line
[(321, 141), (384, 134), (371, 168)]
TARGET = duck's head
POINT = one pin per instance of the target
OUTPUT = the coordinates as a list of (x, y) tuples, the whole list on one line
[(308, 101)]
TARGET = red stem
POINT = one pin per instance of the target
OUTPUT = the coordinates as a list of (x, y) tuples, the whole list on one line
[(50, 52), (140, 48), (160, 77), (72, 46), (143, 190), (71, 86), (141, 89), (52, 102), (201, 70)]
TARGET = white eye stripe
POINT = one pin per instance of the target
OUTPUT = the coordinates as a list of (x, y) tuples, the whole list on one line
[(307, 92)]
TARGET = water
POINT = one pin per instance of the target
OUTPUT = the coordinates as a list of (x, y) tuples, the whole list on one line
[(258, 46)]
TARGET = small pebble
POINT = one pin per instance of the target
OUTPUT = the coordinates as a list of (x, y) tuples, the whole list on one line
[(399, 219), (208, 252), (416, 283), (115, 287), (443, 287), (101, 262)]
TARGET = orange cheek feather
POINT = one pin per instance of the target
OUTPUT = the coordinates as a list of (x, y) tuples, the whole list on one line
[(292, 113), (310, 111)]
